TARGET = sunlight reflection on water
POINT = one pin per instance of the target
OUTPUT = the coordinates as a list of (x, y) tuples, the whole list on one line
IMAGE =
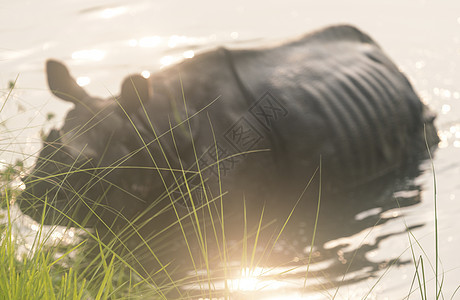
[(83, 80), (26, 231), (277, 283), (451, 136), (157, 48)]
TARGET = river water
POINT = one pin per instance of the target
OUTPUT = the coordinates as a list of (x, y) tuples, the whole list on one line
[(103, 42)]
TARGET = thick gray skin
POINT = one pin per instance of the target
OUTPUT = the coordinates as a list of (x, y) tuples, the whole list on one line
[(344, 101)]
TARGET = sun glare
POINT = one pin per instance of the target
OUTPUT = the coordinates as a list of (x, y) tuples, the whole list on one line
[(188, 54), (145, 74), (166, 60), (83, 80)]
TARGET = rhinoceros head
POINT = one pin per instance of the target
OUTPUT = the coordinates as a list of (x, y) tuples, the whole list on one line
[(86, 169)]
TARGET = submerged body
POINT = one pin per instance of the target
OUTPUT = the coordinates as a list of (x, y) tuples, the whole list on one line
[(253, 123)]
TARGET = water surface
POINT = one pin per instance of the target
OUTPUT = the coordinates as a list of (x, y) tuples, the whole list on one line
[(103, 42)]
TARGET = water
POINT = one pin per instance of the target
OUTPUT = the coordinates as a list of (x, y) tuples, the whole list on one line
[(104, 42)]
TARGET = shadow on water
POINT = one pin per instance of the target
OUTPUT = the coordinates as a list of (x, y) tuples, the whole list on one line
[(283, 264)]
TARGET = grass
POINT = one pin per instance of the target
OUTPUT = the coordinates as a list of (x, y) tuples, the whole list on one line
[(57, 271), (35, 276), (419, 262), (41, 273)]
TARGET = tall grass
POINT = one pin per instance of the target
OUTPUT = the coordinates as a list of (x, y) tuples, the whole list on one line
[(37, 275), (67, 272), (49, 269)]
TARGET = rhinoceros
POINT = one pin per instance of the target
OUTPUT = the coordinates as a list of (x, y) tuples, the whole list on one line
[(229, 125)]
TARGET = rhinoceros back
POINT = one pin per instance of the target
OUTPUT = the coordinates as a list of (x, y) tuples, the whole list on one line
[(346, 101)]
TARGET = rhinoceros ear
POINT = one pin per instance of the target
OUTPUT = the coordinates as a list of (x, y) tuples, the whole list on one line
[(134, 90), (62, 84)]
